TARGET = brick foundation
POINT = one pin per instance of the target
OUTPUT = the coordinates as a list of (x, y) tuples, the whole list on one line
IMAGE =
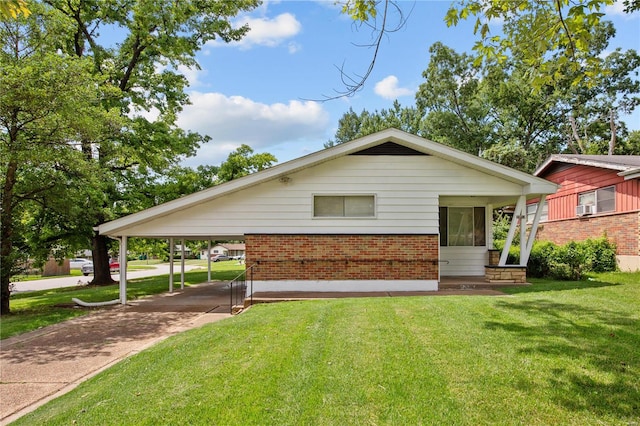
[(622, 229), (505, 274), (342, 257)]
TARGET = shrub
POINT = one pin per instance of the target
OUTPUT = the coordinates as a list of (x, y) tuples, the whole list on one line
[(542, 253), (572, 255), (600, 255), (566, 262)]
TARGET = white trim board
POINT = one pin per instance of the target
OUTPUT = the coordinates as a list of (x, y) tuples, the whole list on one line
[(352, 286)]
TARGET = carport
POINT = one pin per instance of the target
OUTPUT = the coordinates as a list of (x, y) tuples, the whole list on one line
[(123, 247)]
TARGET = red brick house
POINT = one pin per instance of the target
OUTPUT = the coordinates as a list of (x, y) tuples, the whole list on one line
[(598, 195), (387, 212)]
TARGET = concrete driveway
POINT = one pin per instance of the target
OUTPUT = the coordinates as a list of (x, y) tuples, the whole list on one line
[(39, 366)]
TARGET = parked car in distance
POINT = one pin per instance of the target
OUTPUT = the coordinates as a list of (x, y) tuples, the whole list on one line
[(219, 257), (77, 263), (88, 268)]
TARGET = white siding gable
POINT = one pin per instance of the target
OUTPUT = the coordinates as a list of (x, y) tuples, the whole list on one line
[(407, 189)]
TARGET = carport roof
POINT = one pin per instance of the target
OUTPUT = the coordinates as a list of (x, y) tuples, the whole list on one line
[(531, 185)]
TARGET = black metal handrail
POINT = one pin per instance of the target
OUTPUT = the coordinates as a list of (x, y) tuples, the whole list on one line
[(238, 288)]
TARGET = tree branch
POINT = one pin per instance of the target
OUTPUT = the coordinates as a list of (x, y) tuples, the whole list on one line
[(353, 84)]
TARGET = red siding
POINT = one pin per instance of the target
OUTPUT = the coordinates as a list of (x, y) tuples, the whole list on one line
[(577, 179), (628, 196)]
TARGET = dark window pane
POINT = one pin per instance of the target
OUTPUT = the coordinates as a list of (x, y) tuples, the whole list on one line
[(478, 227), (443, 226)]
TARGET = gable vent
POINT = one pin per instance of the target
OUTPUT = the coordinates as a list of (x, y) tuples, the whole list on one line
[(389, 148)]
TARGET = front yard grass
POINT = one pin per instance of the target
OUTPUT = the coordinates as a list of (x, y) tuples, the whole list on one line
[(552, 353), (36, 309)]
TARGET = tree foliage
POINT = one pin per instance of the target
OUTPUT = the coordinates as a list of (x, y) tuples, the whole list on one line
[(552, 39), (45, 98), (490, 109), (13, 8), (121, 130), (157, 38), (242, 162)]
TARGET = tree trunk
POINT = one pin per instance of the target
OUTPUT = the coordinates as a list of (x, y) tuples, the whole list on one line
[(100, 251), (6, 236), (612, 125)]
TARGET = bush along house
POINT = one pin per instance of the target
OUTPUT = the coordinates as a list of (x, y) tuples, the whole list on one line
[(387, 212), (598, 195)]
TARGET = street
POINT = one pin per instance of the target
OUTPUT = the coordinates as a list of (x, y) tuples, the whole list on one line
[(45, 284)]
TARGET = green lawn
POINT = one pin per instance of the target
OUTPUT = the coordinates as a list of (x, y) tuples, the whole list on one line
[(551, 353), (36, 309)]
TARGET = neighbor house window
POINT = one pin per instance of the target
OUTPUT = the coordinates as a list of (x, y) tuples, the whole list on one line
[(462, 226), (531, 211), (604, 199), (343, 206)]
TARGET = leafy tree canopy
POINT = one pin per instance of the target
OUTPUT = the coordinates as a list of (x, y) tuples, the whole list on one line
[(553, 39)]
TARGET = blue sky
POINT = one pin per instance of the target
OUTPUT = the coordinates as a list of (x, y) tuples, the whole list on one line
[(261, 91)]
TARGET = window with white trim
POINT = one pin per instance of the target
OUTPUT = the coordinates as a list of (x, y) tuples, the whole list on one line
[(531, 211), (462, 226), (343, 206), (604, 199)]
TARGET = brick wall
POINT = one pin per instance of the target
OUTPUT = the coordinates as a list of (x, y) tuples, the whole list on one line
[(622, 229), (343, 257)]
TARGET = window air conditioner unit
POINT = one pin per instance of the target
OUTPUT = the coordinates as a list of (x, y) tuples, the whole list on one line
[(584, 210)]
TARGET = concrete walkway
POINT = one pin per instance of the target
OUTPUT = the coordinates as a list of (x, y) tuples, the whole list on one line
[(41, 365)]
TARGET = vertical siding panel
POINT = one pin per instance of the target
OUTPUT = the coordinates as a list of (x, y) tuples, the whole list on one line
[(577, 179)]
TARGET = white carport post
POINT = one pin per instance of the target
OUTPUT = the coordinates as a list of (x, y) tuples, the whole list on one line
[(522, 201), (123, 270), (182, 266), (170, 265), (526, 252), (209, 262)]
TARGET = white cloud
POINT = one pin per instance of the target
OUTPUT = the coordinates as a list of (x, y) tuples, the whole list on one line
[(234, 120), (193, 75), (388, 88), (616, 8), (265, 31), (294, 47)]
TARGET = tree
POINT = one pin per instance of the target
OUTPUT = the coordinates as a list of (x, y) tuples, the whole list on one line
[(44, 97), (352, 125), (552, 37), (242, 162), (451, 101), (13, 8), (490, 109), (157, 37)]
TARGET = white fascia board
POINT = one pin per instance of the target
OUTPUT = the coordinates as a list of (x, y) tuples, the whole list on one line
[(569, 159), (539, 188), (630, 174)]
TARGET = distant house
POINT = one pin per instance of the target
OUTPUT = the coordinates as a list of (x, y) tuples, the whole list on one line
[(387, 212), (177, 250), (229, 249), (598, 195)]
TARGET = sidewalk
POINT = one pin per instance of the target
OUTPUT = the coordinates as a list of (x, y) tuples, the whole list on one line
[(41, 365)]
